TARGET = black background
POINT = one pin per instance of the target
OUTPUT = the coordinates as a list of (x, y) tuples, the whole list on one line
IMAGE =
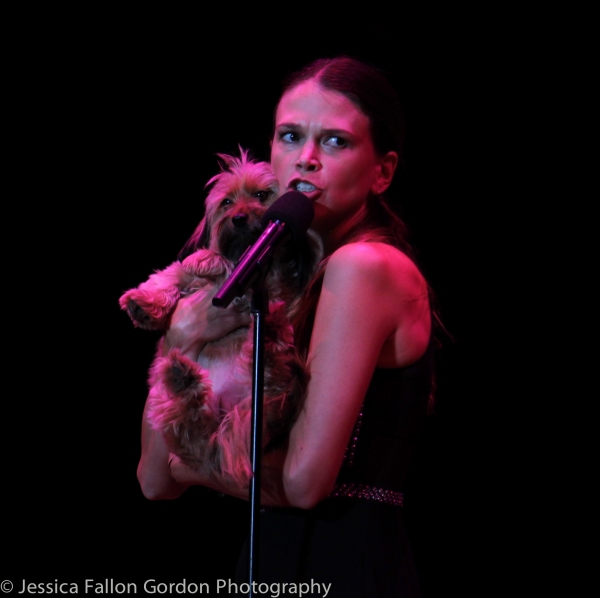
[(117, 127)]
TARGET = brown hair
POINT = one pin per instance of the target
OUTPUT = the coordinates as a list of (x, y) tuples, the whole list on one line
[(368, 88), (371, 91)]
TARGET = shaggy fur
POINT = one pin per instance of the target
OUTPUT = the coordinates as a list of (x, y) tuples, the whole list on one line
[(204, 409)]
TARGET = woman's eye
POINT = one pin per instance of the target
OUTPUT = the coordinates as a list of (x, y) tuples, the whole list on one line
[(335, 141), (289, 137), (225, 202)]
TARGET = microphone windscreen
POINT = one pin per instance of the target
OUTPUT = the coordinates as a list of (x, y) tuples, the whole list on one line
[(293, 208)]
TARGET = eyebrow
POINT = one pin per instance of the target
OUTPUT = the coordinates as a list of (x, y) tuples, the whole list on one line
[(333, 132), (288, 125)]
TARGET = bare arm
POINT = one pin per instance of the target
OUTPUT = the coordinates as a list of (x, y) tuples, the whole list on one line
[(153, 470), (272, 490), (373, 311)]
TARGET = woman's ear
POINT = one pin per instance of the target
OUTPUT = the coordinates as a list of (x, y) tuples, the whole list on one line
[(385, 173)]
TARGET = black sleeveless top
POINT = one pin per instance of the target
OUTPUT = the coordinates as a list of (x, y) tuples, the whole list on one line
[(386, 432), (355, 540)]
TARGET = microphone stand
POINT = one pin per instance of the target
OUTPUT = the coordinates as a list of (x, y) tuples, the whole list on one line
[(260, 309), (250, 272)]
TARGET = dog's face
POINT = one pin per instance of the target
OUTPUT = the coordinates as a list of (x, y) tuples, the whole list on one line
[(239, 196)]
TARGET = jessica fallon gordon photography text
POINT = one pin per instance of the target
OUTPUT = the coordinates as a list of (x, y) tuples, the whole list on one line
[(153, 586)]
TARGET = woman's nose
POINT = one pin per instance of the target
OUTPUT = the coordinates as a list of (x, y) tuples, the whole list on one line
[(308, 161)]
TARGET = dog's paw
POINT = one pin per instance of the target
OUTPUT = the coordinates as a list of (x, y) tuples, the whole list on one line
[(147, 311), (181, 405), (180, 376), (206, 263)]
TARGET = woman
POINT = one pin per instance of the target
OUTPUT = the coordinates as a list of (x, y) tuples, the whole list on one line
[(366, 330)]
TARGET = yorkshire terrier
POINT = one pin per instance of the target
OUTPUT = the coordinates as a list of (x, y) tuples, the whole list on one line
[(203, 409)]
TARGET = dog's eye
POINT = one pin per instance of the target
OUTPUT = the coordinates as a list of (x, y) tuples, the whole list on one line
[(262, 195), (226, 202)]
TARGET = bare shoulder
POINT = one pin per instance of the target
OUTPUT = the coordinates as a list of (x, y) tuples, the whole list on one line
[(382, 288), (378, 264)]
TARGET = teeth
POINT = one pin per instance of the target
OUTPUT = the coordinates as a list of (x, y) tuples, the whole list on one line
[(305, 187)]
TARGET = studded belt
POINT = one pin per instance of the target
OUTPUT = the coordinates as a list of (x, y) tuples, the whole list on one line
[(364, 492)]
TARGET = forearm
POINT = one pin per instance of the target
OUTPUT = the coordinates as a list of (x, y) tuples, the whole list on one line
[(153, 473), (271, 482)]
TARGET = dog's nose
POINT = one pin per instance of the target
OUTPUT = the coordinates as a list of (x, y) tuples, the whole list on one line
[(240, 220)]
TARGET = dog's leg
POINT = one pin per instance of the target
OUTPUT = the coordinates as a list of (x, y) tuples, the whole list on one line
[(152, 302), (182, 406), (206, 263), (285, 382), (230, 444)]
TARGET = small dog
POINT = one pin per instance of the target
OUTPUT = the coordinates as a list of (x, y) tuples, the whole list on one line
[(204, 409)]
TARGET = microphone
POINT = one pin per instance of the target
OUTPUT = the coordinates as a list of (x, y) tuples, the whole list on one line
[(291, 214)]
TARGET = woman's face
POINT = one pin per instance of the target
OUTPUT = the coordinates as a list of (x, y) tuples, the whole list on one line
[(322, 147)]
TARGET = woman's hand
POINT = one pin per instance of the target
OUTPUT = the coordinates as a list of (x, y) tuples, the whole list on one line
[(197, 321)]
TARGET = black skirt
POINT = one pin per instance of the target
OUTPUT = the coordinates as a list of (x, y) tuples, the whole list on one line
[(359, 547)]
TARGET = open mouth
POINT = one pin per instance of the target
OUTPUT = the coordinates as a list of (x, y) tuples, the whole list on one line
[(304, 187)]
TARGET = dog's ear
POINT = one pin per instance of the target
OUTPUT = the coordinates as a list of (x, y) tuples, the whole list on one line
[(200, 239)]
